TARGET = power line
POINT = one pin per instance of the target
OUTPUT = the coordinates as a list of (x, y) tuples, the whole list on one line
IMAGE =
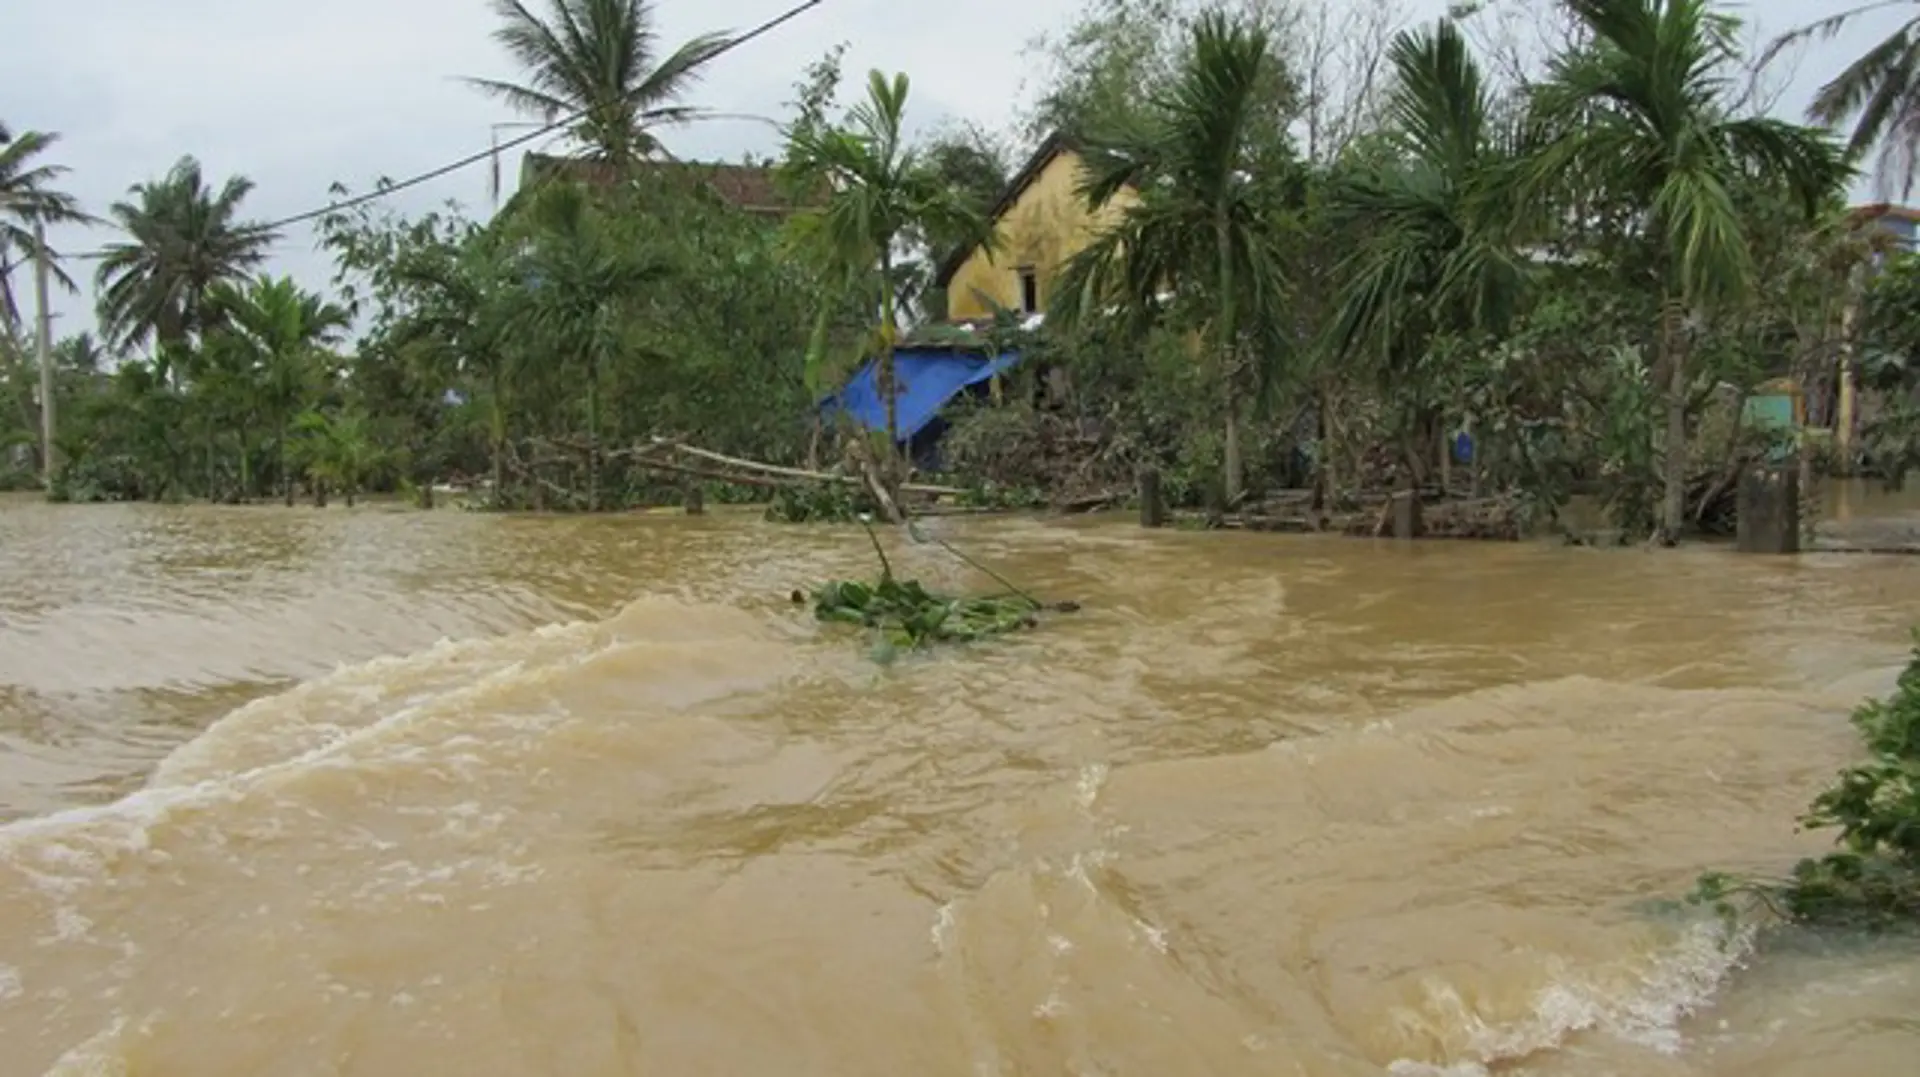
[(471, 159)]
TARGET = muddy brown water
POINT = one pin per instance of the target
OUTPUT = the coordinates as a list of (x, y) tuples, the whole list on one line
[(390, 793)]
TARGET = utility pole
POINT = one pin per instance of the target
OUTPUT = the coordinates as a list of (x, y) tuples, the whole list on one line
[(41, 270)]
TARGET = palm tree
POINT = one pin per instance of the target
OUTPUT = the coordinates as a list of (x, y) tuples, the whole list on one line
[(29, 197), (1643, 117), (1879, 93), (186, 238), (466, 314), (1439, 258), (278, 335), (1201, 245), (582, 280), (339, 450), (598, 59), (881, 191)]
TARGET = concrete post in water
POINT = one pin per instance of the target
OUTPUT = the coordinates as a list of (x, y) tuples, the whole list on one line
[(1769, 509), (1406, 514), (1214, 499), (695, 498), (1153, 507)]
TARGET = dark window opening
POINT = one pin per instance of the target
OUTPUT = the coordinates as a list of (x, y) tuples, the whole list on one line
[(1029, 291)]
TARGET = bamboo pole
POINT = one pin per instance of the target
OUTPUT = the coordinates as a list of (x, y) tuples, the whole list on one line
[(792, 472)]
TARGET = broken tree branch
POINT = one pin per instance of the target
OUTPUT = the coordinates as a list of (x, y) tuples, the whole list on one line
[(793, 472)]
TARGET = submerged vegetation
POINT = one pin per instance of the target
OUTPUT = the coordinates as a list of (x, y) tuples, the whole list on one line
[(1872, 878), (1343, 255), (826, 503), (905, 615)]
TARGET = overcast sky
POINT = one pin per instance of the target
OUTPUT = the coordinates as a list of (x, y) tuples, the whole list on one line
[(297, 94)]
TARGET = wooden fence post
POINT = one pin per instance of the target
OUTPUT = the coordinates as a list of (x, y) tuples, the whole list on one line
[(1153, 507)]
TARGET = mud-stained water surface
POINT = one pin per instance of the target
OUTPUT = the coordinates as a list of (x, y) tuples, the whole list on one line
[(389, 793)]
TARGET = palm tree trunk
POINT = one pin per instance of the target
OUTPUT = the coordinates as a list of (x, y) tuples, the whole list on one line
[(286, 469), (1235, 463), (894, 469), (246, 469), (497, 427), (1322, 470), (1229, 356), (1674, 511), (593, 435)]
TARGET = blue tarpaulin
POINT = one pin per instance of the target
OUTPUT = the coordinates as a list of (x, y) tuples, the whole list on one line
[(927, 379)]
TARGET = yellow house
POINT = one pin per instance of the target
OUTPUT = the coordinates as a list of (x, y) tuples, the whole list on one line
[(1040, 222)]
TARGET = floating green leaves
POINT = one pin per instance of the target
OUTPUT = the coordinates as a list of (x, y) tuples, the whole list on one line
[(905, 615)]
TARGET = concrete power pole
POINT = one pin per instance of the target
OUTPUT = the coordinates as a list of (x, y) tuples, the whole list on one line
[(44, 333)]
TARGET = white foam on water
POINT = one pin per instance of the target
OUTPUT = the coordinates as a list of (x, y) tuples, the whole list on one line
[(1093, 778), (943, 925), (101, 1055), (416, 711), (1678, 983)]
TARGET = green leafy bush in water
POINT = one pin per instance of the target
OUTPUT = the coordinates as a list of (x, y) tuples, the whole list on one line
[(992, 495), (907, 615), (904, 614), (824, 503), (1872, 879)]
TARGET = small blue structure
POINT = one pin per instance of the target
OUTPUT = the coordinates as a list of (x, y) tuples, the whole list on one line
[(927, 379)]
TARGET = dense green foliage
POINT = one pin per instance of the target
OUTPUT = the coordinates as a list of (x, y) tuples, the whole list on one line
[(1872, 878), (1585, 267), (823, 503)]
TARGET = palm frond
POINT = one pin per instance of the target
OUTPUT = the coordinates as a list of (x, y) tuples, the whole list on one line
[(1439, 104), (1871, 86), (596, 59), (525, 99), (679, 72), (1804, 162), (1822, 29)]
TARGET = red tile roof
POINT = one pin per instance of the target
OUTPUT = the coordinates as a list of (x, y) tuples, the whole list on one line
[(749, 187)]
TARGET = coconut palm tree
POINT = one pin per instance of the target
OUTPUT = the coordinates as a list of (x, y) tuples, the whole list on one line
[(1643, 117), (599, 59), (276, 337), (880, 193), (185, 238), (1200, 247), (1440, 253), (28, 194), (1879, 92)]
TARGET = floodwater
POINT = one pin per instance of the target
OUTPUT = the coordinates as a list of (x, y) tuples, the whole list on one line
[(378, 792)]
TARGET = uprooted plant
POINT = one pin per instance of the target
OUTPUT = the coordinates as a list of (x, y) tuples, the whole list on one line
[(905, 614), (1872, 880)]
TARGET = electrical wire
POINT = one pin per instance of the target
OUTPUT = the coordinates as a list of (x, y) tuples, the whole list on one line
[(494, 150)]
